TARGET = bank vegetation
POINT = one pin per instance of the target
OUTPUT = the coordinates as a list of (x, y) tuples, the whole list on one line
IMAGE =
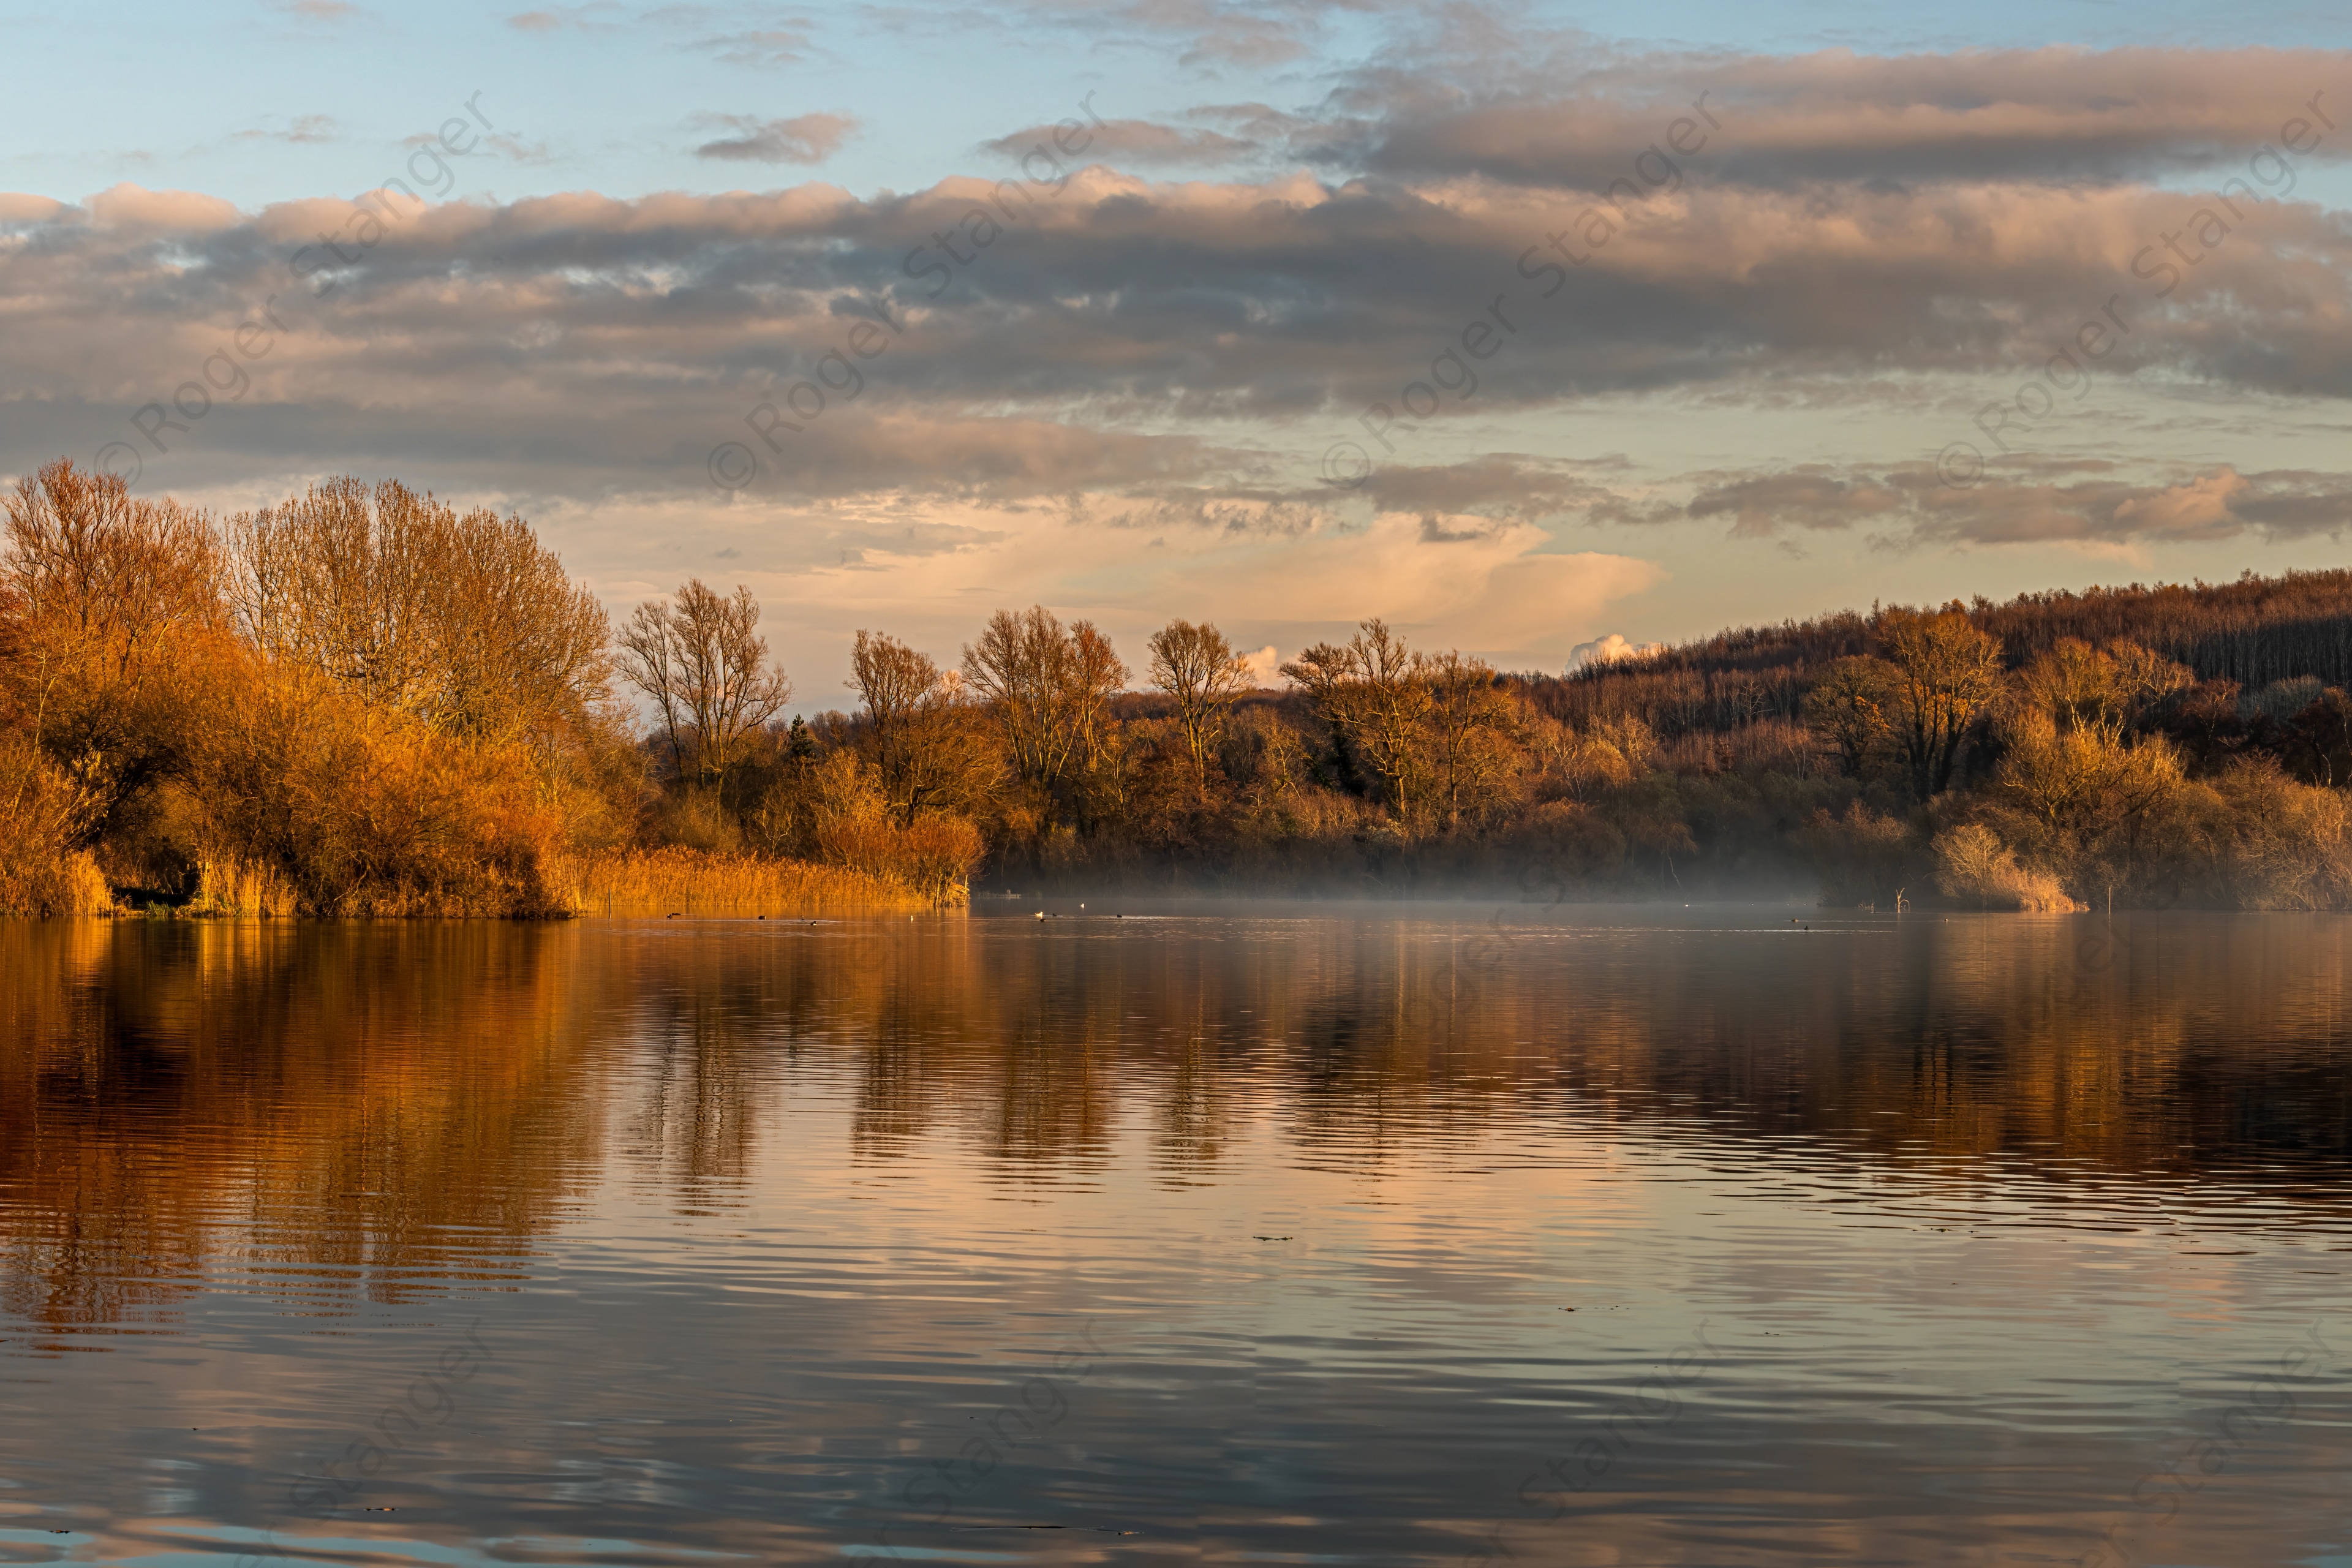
[(364, 702)]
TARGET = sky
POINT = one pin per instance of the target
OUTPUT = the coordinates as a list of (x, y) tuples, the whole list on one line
[(1531, 329)]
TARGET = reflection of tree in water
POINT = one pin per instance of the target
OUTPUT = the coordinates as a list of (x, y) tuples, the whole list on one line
[(708, 1034), (2199, 1043), (951, 1033), (321, 1111), (1191, 1123), (308, 1111)]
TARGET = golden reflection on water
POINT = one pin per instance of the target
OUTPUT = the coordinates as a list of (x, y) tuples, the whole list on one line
[(1990, 1216), (320, 1111)]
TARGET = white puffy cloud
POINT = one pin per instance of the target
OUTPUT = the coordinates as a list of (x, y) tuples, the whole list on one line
[(1608, 650)]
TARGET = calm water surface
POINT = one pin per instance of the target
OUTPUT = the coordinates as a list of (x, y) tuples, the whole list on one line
[(1248, 1233)]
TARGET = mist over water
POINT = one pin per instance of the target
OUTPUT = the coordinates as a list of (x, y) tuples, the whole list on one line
[(1358, 1234)]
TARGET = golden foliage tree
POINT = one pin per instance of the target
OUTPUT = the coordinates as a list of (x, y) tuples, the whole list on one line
[(465, 621), (701, 659), (112, 608), (1946, 671), (1369, 691), (1046, 685), (928, 746), (1197, 668)]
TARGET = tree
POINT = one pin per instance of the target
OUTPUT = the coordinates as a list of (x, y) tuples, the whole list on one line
[(2081, 791), (704, 664), (1197, 668), (921, 737), (892, 679), (1471, 721), (1853, 708), (1372, 695), (1047, 686), (467, 622), (1947, 671), (108, 599)]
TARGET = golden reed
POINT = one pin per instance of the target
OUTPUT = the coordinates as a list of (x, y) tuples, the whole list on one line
[(689, 881)]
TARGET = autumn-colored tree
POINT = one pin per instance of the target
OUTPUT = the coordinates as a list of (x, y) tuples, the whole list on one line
[(1372, 693), (465, 621), (702, 661), (1047, 686), (1201, 674), (111, 602), (1853, 709), (1947, 671), (1471, 724), (929, 750)]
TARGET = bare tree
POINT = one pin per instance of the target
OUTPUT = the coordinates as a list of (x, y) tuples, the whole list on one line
[(467, 622), (1853, 708), (704, 664), (1373, 695), (923, 739), (1197, 668), (1096, 675), (1471, 722), (1047, 686), (1947, 671), (895, 680)]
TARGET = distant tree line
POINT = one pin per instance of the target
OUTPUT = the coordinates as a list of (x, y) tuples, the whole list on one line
[(365, 701)]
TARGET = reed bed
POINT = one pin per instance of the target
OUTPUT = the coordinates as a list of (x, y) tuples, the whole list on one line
[(676, 880)]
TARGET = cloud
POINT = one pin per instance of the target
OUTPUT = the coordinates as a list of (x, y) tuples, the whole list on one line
[(2041, 501), (783, 41), (1189, 346), (516, 150), (804, 138), (1496, 589), (758, 46), (320, 10), (1126, 141), (1205, 36), (1811, 497), (307, 129), (1609, 650), (595, 16), (20, 206), (1503, 598), (139, 213), (1520, 487), (2061, 115)]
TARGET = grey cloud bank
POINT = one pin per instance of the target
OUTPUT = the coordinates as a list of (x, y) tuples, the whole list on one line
[(1962, 463), (1153, 335), (223, 371)]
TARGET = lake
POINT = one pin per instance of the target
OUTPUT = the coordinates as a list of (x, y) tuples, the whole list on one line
[(1153, 1232)]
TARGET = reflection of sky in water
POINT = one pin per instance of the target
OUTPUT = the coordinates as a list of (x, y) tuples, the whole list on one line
[(1986, 1218)]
